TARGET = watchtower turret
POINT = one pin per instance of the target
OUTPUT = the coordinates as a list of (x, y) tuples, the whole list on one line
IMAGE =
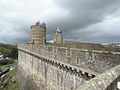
[(58, 37), (38, 33)]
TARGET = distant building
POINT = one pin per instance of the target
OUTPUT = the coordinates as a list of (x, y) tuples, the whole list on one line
[(115, 44), (1, 56), (38, 33), (58, 37)]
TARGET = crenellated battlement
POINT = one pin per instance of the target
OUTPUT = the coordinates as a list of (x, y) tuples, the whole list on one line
[(54, 67), (96, 61), (66, 65), (39, 25), (105, 81), (38, 33), (59, 64)]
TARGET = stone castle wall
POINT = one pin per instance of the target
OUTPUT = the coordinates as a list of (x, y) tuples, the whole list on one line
[(81, 45), (58, 36), (60, 68), (36, 74), (105, 81), (97, 61), (38, 33)]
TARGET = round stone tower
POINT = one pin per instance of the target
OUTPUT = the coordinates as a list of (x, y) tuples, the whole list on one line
[(58, 37), (38, 33)]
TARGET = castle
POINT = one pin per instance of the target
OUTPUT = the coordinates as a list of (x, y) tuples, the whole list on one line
[(65, 65), (38, 34)]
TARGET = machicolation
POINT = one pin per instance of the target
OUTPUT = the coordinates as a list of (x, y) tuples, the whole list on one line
[(66, 65)]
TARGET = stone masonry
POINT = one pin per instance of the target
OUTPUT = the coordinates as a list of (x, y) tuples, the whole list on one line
[(38, 33), (42, 66), (58, 37), (104, 81), (60, 68)]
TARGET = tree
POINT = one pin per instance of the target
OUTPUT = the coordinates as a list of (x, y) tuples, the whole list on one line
[(14, 53)]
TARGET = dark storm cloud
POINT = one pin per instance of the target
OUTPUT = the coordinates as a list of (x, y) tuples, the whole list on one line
[(80, 20), (83, 14)]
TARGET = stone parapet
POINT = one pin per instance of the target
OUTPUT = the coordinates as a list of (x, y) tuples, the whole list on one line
[(104, 81), (95, 61)]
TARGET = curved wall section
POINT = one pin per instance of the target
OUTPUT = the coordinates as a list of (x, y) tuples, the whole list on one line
[(105, 81), (61, 68), (35, 73)]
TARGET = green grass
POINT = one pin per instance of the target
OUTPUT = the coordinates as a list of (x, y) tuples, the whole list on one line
[(11, 81), (9, 64)]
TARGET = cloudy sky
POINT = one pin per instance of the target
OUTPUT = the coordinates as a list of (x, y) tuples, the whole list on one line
[(96, 21)]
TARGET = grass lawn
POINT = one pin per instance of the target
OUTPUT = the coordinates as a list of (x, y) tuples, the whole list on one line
[(10, 79), (11, 82), (11, 63)]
